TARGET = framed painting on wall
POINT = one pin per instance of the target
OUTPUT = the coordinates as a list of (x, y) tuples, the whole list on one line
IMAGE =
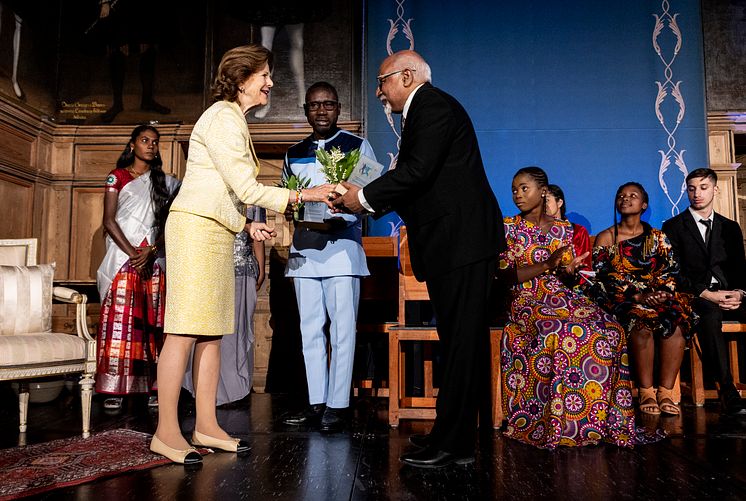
[(311, 42), (135, 61)]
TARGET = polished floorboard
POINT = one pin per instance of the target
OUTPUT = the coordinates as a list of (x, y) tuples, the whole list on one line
[(704, 457)]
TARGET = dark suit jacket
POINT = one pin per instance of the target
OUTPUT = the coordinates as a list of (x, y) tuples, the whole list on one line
[(440, 189), (726, 251)]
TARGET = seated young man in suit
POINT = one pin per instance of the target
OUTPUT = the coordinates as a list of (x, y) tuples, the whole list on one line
[(713, 268)]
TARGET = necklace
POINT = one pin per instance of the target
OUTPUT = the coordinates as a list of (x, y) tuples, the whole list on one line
[(134, 173)]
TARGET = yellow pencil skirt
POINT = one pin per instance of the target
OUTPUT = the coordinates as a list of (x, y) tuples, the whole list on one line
[(200, 278)]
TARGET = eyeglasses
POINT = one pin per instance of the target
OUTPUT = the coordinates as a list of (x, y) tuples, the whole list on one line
[(328, 105), (382, 78)]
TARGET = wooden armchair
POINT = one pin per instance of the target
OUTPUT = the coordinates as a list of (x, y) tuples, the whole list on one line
[(28, 347)]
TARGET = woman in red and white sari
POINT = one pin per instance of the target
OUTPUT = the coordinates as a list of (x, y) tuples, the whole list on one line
[(131, 279)]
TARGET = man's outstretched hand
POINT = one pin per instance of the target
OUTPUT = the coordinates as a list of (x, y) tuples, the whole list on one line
[(349, 201)]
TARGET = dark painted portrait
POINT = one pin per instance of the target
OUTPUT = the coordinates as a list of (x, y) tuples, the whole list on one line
[(133, 61)]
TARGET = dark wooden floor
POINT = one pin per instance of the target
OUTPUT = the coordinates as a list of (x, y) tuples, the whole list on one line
[(703, 458)]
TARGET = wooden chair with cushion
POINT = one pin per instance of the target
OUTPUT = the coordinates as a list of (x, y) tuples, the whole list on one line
[(28, 347)]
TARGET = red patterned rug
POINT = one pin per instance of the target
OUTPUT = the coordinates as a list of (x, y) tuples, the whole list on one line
[(61, 463)]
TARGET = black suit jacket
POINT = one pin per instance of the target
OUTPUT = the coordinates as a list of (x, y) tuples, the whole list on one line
[(440, 189), (697, 262)]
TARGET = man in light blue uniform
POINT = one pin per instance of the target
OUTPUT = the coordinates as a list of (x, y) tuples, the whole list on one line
[(326, 267)]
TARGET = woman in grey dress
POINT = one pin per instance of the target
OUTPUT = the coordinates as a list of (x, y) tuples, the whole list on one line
[(237, 352)]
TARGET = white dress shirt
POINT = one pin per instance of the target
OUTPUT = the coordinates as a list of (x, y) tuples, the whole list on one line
[(701, 227), (405, 110)]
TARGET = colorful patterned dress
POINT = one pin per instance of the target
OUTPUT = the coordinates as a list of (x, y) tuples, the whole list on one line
[(565, 374), (130, 331), (641, 264)]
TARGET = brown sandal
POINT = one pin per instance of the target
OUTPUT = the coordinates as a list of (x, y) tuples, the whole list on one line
[(648, 403), (665, 402)]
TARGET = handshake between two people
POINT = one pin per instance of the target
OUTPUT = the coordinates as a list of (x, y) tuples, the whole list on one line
[(346, 199), (342, 197)]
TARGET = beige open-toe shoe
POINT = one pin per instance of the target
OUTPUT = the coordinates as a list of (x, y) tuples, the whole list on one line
[(187, 456), (665, 402), (231, 445), (648, 402)]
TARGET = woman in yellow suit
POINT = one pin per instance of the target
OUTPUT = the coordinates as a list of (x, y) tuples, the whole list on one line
[(209, 210)]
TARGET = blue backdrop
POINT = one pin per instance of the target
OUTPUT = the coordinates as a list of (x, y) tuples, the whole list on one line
[(577, 88)]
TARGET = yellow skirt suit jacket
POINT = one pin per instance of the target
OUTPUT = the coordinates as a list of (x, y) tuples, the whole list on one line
[(207, 213)]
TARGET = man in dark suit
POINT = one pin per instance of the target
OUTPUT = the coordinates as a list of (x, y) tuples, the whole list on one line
[(710, 251), (440, 190)]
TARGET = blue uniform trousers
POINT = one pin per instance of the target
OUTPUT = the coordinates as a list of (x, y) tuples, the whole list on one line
[(338, 297)]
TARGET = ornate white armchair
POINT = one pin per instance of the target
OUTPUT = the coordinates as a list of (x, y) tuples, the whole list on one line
[(28, 347)]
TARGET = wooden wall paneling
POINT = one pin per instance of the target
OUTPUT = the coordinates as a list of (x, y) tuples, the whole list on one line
[(16, 146), (179, 158), (725, 120), (43, 148), (167, 150), (55, 224), (52, 225), (726, 200), (741, 189), (720, 144), (721, 126), (262, 339), (63, 151), (37, 216), (87, 246), (173, 144), (17, 195), (95, 161)]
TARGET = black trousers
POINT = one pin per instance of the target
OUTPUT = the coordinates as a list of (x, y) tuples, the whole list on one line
[(715, 355), (460, 300)]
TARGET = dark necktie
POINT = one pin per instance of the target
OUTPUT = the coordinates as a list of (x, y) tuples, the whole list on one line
[(708, 229)]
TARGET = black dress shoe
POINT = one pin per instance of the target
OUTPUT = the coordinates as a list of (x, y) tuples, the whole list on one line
[(421, 440), (731, 402), (433, 458), (311, 416), (333, 420)]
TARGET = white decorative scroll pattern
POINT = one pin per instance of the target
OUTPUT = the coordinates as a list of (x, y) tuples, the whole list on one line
[(668, 88), (406, 29)]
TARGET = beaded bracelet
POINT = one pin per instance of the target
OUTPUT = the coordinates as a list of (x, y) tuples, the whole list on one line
[(298, 199)]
